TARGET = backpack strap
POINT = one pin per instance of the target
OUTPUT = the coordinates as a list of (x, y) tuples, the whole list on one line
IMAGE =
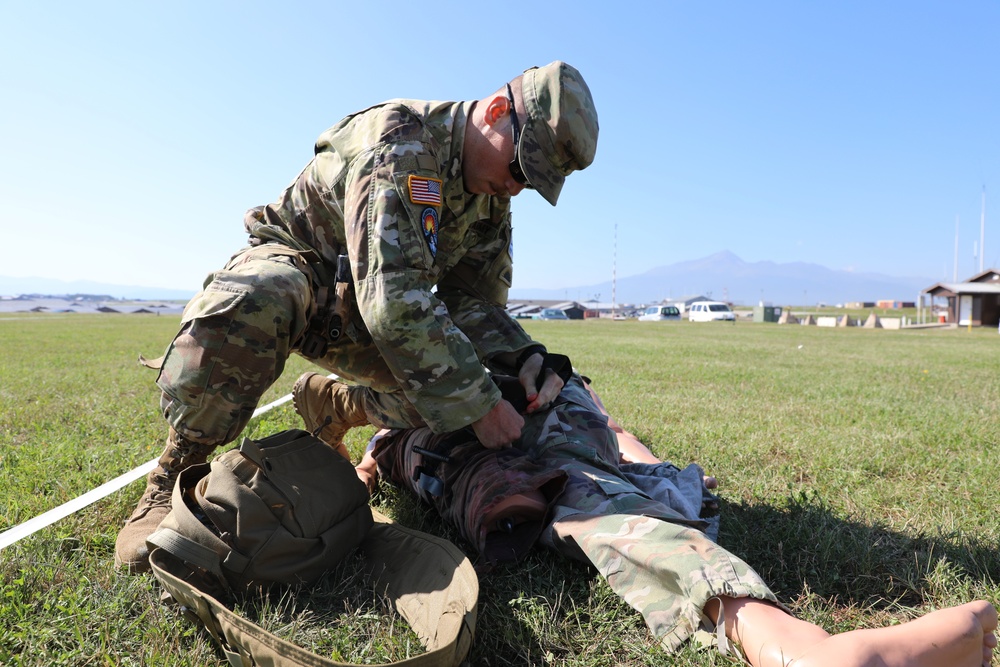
[(187, 550), (432, 583)]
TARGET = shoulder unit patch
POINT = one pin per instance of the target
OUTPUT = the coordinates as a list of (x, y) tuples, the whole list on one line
[(429, 223)]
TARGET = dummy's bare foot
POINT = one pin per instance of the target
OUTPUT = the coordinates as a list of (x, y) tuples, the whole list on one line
[(955, 637), (709, 503)]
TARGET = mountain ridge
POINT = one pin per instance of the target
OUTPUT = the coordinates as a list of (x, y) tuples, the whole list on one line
[(725, 276)]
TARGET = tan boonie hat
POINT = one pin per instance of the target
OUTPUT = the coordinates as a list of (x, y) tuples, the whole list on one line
[(560, 133)]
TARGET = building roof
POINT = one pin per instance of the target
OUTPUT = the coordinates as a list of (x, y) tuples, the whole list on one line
[(985, 282), (988, 274), (963, 288)]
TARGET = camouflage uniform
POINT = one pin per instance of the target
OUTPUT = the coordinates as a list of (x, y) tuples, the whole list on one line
[(650, 549), (430, 266)]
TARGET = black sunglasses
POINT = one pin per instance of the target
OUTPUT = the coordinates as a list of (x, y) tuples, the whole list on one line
[(515, 126)]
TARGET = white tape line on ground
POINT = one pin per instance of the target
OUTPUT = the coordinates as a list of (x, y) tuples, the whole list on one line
[(20, 531)]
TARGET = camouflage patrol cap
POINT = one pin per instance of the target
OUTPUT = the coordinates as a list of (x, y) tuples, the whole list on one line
[(560, 132)]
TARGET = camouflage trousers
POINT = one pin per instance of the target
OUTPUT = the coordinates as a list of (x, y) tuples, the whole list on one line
[(666, 571), (235, 338)]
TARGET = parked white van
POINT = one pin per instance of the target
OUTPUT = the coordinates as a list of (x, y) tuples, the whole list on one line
[(660, 313), (707, 311)]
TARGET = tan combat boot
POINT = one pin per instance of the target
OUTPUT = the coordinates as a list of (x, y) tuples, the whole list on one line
[(131, 552), (329, 408)]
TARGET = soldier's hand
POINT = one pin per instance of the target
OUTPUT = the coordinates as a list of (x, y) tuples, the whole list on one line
[(499, 427), (538, 397)]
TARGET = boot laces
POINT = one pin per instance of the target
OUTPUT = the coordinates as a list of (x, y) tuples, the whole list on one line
[(159, 497), (160, 491)]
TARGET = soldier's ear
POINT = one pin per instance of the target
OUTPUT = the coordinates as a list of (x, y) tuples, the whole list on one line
[(498, 107)]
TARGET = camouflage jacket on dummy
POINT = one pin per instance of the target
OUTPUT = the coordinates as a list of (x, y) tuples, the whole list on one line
[(566, 452), (431, 264)]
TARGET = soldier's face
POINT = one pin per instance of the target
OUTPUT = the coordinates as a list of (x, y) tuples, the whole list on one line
[(488, 171)]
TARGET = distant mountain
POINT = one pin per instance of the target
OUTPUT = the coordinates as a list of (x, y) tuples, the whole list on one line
[(17, 286), (725, 276), (721, 276)]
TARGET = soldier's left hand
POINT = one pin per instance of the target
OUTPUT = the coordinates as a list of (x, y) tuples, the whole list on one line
[(538, 397)]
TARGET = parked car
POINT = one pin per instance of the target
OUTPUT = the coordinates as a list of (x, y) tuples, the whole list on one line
[(660, 313), (707, 311), (550, 314)]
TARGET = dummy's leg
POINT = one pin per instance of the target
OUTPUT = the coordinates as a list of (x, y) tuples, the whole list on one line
[(962, 636), (676, 578), (235, 338), (667, 572)]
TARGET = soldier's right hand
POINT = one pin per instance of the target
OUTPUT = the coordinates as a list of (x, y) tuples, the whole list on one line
[(499, 427)]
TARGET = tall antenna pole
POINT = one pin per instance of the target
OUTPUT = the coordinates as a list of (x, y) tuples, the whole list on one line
[(614, 276), (982, 232), (954, 277)]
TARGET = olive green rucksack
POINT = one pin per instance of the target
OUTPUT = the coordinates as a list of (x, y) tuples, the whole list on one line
[(284, 510)]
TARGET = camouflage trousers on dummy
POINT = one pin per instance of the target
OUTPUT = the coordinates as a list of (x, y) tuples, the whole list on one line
[(665, 571), (236, 335), (638, 524)]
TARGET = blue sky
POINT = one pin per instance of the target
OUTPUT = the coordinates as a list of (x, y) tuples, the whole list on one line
[(848, 134)]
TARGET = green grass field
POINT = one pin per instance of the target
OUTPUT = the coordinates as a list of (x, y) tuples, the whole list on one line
[(857, 467)]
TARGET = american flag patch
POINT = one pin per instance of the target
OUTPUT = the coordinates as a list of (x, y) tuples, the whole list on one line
[(425, 190)]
